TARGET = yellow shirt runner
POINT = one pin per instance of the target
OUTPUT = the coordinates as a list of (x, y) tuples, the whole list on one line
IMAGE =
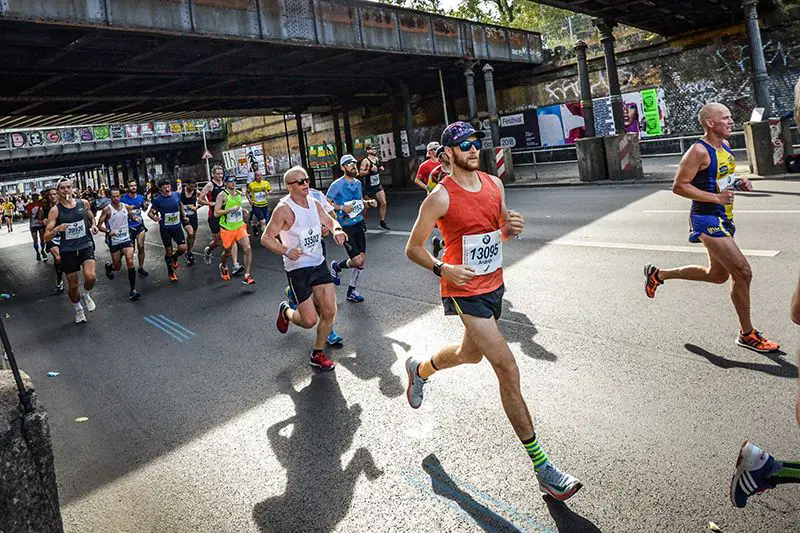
[(258, 192)]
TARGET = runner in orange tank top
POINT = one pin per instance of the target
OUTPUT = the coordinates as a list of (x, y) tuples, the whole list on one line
[(470, 209)]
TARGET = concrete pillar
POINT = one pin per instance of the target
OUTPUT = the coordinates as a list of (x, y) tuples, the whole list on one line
[(606, 28), (135, 170), (398, 167), (348, 132), (472, 101), (757, 56), (768, 143), (125, 167), (491, 102), (586, 88)]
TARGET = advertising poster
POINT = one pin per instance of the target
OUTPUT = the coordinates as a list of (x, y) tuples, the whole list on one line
[(519, 130), (560, 124), (643, 112), (52, 137), (101, 133), (175, 127), (69, 136), (35, 138), (188, 126), (18, 140), (162, 128), (85, 134), (132, 131), (147, 129), (117, 131)]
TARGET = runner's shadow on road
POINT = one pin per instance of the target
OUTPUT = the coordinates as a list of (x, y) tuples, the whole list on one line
[(567, 520), (310, 445), (445, 486), (517, 327), (781, 368)]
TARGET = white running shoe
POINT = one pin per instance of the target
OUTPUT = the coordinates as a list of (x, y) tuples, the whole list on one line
[(80, 316), (88, 303)]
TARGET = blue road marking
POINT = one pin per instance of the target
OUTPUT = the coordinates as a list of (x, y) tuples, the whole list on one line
[(164, 325), (176, 325)]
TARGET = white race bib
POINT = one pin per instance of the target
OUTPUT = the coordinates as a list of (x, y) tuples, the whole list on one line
[(75, 230), (375, 180), (358, 207), (311, 241), (261, 196), (726, 182), (119, 236), (484, 253), (235, 216), (172, 219), (189, 209)]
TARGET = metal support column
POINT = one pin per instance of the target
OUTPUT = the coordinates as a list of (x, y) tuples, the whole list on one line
[(337, 140), (301, 143), (472, 101), (491, 102), (606, 28), (757, 57), (124, 172), (348, 133), (412, 143), (586, 88)]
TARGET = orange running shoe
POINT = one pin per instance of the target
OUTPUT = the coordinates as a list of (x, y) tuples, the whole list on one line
[(757, 342), (173, 276), (651, 281), (223, 272)]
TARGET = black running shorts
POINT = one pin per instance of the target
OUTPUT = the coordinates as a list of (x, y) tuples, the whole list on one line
[(483, 305), (302, 279)]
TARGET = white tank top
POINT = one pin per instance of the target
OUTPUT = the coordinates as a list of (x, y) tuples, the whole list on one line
[(118, 225), (305, 233)]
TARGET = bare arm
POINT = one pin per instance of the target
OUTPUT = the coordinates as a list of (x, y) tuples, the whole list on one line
[(154, 216), (363, 169), (432, 209), (51, 229), (331, 224), (202, 196), (219, 210), (89, 216), (513, 223), (101, 221), (693, 161)]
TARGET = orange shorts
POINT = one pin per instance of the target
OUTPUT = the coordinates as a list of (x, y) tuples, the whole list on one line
[(231, 236)]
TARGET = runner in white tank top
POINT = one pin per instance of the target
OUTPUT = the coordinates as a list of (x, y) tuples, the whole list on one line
[(114, 223), (298, 220)]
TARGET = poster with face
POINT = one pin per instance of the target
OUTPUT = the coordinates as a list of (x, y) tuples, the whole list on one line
[(35, 138)]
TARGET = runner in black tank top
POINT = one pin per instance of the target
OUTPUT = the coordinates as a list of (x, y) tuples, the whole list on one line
[(74, 223), (207, 197), (190, 223)]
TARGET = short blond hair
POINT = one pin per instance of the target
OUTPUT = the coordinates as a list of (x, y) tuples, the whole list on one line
[(297, 169)]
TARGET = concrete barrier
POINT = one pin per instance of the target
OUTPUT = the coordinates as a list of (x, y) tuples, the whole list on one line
[(591, 159), (28, 492), (623, 157), (489, 158), (768, 143)]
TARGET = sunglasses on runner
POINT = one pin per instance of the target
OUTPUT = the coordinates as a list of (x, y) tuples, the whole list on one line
[(301, 181), (466, 146)]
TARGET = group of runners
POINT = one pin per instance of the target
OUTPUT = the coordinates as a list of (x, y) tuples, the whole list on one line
[(468, 207)]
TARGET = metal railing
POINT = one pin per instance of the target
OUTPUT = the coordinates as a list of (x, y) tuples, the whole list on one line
[(662, 146)]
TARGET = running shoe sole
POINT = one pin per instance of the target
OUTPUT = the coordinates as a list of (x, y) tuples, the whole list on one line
[(562, 497), (759, 350), (410, 369)]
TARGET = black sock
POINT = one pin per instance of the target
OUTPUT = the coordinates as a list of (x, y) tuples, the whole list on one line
[(59, 272), (168, 261), (343, 264), (175, 256), (132, 278)]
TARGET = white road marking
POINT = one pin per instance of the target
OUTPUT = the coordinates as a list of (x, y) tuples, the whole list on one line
[(738, 211), (390, 232), (655, 247)]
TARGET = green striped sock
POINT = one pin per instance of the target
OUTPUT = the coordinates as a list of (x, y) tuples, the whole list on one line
[(788, 472), (535, 452)]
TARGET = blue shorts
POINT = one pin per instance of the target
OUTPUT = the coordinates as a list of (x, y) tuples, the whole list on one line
[(710, 225), (261, 213), (171, 233)]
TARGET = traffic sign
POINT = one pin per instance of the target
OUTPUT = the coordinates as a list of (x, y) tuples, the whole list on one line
[(207, 154)]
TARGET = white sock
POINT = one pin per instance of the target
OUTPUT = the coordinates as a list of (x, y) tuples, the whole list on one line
[(354, 274), (78, 306)]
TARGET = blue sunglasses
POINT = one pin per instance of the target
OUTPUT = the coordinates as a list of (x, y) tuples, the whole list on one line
[(466, 146)]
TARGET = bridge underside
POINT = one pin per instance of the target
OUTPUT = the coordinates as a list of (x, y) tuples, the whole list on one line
[(665, 17)]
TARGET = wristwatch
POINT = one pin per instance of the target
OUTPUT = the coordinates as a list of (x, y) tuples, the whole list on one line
[(437, 268)]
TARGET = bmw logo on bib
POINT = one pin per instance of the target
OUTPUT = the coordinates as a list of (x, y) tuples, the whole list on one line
[(486, 239)]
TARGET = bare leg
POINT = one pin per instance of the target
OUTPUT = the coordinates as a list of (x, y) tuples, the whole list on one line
[(326, 296), (724, 250), (244, 243), (140, 248), (89, 274), (713, 273), (381, 197)]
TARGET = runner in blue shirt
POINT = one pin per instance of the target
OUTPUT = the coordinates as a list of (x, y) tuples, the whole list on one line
[(168, 212), (136, 224), (348, 200)]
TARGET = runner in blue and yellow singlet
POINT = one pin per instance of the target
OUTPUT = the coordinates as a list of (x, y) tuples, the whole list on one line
[(706, 176)]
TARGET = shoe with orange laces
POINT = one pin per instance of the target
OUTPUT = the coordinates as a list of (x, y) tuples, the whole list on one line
[(223, 272), (173, 276), (757, 342), (651, 281), (248, 279)]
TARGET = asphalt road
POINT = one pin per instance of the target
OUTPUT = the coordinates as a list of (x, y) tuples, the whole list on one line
[(227, 429)]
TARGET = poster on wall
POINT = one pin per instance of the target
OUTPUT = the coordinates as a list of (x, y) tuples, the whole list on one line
[(519, 130), (117, 131), (386, 146), (53, 137), (643, 112), (162, 128), (131, 131), (101, 133), (35, 138), (147, 129), (18, 140), (68, 136), (560, 124)]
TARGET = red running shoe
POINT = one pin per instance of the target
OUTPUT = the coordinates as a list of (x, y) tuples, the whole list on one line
[(319, 360), (283, 322)]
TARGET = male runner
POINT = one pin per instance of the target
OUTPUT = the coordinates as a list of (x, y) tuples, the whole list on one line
[(73, 221), (114, 223), (136, 224), (370, 172), (298, 220), (190, 223), (228, 208), (36, 226), (470, 208), (258, 195), (345, 196), (706, 176), (49, 200), (756, 470), (8, 213), (168, 212), (424, 170), (208, 197), (334, 338)]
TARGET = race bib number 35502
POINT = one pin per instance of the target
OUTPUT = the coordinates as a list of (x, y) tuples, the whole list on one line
[(484, 252), (311, 241)]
